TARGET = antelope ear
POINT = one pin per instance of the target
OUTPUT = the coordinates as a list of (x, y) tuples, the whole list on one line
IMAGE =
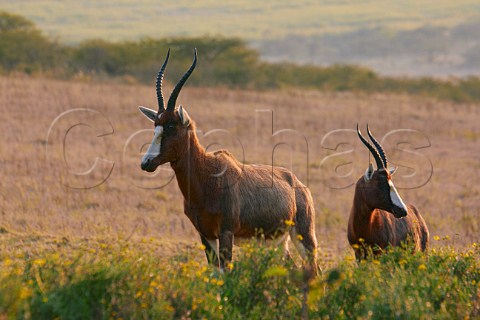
[(183, 116), (369, 172), (149, 113), (392, 170)]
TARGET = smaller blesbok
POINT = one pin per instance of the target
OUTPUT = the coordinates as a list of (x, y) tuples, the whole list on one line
[(224, 198), (379, 218)]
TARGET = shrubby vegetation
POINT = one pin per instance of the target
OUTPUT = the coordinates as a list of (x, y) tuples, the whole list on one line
[(105, 279), (223, 62)]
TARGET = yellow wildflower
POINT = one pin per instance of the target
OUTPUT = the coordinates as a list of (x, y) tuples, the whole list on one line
[(299, 237), (289, 223), (422, 267), (25, 293), (436, 238), (39, 262)]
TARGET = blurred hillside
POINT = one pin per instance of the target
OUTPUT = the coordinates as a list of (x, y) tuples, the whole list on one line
[(413, 38), (224, 62), (426, 51)]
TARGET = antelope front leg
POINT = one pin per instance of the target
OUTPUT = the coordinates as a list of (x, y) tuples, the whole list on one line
[(226, 246), (210, 250)]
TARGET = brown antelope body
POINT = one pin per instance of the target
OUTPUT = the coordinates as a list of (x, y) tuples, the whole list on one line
[(223, 198), (379, 218)]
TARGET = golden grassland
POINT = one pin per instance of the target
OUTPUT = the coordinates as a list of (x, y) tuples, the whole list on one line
[(124, 249), (73, 21), (129, 205)]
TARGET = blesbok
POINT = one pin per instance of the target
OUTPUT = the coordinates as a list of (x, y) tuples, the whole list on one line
[(379, 218), (223, 198)]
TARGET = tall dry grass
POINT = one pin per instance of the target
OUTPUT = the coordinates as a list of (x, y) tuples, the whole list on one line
[(35, 200)]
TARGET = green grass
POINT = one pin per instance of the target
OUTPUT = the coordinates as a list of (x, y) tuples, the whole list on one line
[(104, 279), (74, 21)]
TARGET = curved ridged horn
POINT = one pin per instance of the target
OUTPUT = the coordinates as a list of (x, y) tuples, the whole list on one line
[(379, 148), (372, 150), (161, 104), (173, 97)]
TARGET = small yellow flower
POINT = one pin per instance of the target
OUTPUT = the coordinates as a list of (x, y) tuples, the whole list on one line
[(206, 280), (25, 293), (221, 283), (436, 238), (289, 223), (39, 262), (299, 237), (355, 246), (376, 262), (230, 266), (403, 261), (361, 240), (446, 237), (202, 247), (422, 267)]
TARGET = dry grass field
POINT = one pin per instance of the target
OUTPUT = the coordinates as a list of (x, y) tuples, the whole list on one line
[(74, 21), (46, 191)]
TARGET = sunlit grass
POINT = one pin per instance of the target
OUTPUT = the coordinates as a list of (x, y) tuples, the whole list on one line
[(104, 279)]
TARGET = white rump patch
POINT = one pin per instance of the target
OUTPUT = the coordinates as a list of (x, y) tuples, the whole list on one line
[(396, 200), (154, 149)]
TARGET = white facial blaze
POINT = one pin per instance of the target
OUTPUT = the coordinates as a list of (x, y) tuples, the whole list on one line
[(154, 149), (396, 200)]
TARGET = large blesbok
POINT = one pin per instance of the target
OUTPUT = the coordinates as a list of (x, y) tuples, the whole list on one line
[(379, 218), (223, 198)]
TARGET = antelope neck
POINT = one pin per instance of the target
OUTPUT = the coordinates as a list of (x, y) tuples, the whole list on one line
[(189, 168), (362, 212)]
